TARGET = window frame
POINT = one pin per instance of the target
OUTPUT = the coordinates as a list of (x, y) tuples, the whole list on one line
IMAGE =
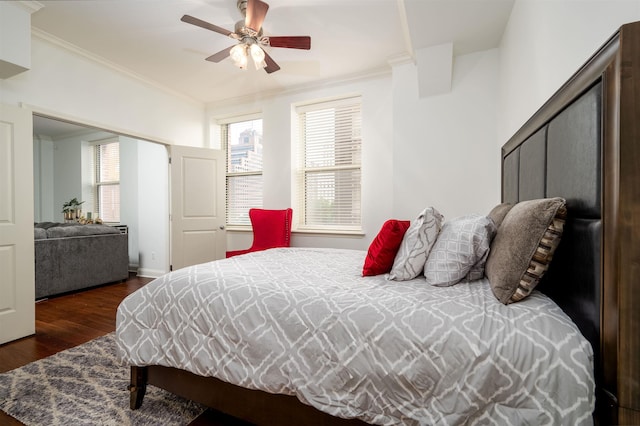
[(301, 170), (224, 139), (97, 183)]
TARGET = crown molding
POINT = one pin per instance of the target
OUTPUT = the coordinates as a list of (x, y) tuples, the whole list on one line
[(404, 24), (30, 6), (401, 60), (50, 38)]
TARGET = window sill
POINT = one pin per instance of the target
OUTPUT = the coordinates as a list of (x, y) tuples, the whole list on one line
[(238, 229), (327, 232), (335, 232)]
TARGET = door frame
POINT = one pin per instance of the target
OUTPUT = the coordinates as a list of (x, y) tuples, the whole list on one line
[(81, 122)]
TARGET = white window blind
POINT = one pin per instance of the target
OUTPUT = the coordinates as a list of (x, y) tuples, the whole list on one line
[(243, 141), (329, 166), (107, 178)]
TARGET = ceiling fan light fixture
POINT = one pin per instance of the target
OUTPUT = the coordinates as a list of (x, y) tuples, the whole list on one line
[(239, 55), (248, 32), (257, 54)]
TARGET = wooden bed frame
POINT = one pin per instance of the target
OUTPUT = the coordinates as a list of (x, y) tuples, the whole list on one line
[(595, 275)]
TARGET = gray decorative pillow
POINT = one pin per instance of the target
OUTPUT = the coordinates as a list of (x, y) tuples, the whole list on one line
[(524, 246), (498, 213), (460, 251), (416, 244)]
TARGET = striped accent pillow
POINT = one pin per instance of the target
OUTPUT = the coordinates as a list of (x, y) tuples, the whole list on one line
[(416, 245), (523, 247), (542, 256)]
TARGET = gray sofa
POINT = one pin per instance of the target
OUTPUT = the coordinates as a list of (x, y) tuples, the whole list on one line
[(71, 257)]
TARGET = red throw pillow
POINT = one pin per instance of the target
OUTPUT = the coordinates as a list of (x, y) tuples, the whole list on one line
[(384, 247)]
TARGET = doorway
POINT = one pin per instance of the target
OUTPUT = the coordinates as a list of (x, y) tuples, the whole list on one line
[(64, 169)]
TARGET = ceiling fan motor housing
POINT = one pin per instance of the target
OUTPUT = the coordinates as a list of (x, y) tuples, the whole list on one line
[(245, 31), (242, 7)]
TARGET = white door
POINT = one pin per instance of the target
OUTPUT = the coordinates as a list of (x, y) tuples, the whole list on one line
[(17, 269), (197, 205)]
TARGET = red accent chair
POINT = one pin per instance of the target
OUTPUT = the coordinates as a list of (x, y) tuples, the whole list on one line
[(271, 228)]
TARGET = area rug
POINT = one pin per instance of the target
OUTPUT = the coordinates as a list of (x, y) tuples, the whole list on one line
[(86, 385)]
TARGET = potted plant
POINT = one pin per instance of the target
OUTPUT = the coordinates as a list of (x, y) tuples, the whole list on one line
[(71, 209)]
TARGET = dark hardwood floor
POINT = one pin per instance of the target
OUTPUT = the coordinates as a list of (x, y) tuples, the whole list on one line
[(70, 320)]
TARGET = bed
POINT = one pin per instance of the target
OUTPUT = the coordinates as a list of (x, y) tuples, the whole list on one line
[(581, 146)]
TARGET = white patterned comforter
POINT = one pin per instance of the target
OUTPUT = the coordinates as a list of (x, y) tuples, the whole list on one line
[(304, 322)]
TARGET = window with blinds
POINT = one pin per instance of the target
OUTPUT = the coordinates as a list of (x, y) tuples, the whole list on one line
[(243, 142), (107, 182), (329, 166)]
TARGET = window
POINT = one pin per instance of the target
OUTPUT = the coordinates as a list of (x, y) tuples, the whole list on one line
[(243, 142), (329, 162), (107, 181)]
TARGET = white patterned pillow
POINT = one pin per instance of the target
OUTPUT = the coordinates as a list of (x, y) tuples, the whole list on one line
[(461, 250), (416, 244)]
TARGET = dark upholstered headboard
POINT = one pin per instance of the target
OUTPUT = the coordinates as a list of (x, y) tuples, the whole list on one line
[(584, 145), (562, 159)]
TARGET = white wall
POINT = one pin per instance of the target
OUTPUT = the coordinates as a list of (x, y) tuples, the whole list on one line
[(67, 174), (144, 204), (43, 178), (277, 114), (153, 209), (87, 170), (129, 191), (72, 86), (15, 40), (444, 146), (544, 43), (438, 151)]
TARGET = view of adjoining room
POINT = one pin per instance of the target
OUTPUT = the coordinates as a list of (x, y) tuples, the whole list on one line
[(64, 168)]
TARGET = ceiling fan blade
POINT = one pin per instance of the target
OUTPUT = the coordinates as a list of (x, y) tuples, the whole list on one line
[(293, 42), (271, 64), (217, 57), (203, 24), (256, 11)]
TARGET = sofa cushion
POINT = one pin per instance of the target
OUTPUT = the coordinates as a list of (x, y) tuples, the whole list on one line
[(80, 230), (47, 225), (39, 233)]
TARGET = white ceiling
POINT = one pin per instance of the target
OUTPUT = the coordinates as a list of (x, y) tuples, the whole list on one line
[(348, 38)]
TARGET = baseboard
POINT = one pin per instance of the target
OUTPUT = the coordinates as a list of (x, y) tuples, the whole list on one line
[(150, 273)]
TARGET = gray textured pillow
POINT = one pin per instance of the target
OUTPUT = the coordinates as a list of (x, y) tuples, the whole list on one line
[(460, 251), (523, 247), (416, 244), (498, 213)]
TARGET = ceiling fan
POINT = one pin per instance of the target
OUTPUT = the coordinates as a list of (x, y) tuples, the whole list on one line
[(248, 33)]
